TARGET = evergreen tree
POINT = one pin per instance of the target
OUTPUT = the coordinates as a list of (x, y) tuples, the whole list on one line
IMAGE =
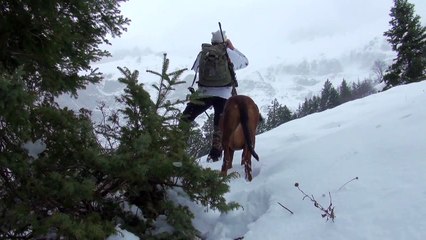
[(345, 92), (325, 95), (55, 41), (303, 109), (262, 127), (197, 146), (306, 108), (284, 114), (277, 115), (334, 99), (329, 96), (48, 153), (208, 129), (200, 140), (60, 180), (298, 113), (314, 104), (273, 114), (151, 160), (408, 39)]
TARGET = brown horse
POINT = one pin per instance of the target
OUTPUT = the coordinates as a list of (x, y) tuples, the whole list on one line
[(238, 124)]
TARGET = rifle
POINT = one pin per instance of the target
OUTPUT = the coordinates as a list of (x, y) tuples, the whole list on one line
[(230, 65)]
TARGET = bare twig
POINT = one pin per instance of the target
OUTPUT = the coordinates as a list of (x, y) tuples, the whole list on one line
[(328, 213), (353, 179), (285, 208)]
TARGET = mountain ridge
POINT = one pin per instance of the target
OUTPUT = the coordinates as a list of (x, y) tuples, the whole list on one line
[(288, 82)]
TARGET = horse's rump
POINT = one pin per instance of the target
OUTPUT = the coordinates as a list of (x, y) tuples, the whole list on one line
[(239, 122)]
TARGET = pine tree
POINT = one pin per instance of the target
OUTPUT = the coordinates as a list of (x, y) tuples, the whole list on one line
[(48, 154), (200, 140), (345, 92), (153, 151), (284, 114), (303, 109), (314, 104), (262, 127), (197, 145), (59, 179), (273, 114), (277, 115), (408, 39), (329, 96), (208, 129), (55, 41), (334, 99)]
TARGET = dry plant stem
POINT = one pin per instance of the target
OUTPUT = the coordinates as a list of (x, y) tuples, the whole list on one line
[(329, 212), (285, 208), (353, 179)]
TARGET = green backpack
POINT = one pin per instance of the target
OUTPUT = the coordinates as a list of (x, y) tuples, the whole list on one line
[(213, 66)]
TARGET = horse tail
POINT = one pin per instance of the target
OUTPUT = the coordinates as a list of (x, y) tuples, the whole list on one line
[(244, 123)]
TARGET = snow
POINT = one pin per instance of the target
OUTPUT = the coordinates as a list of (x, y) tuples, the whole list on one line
[(381, 139)]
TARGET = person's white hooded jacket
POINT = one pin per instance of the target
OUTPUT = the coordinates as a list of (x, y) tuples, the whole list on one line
[(238, 60)]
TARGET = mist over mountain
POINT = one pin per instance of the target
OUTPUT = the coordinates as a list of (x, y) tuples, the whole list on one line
[(290, 82)]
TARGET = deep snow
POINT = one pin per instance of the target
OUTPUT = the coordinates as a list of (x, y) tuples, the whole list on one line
[(381, 139)]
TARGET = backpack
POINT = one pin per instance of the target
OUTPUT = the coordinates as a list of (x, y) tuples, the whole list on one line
[(213, 66)]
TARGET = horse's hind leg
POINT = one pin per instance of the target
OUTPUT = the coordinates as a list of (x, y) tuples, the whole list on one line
[(228, 155), (225, 160), (231, 158), (246, 160)]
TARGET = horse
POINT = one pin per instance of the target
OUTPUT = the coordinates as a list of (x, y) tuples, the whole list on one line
[(238, 124)]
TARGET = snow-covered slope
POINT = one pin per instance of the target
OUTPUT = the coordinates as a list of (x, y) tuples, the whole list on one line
[(380, 139)]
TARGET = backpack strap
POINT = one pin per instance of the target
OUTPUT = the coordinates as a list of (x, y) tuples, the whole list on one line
[(234, 91), (231, 68)]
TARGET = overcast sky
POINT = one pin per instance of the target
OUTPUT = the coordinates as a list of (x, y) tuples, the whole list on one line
[(262, 29)]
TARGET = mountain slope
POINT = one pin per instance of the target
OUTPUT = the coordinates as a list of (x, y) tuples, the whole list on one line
[(380, 139)]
